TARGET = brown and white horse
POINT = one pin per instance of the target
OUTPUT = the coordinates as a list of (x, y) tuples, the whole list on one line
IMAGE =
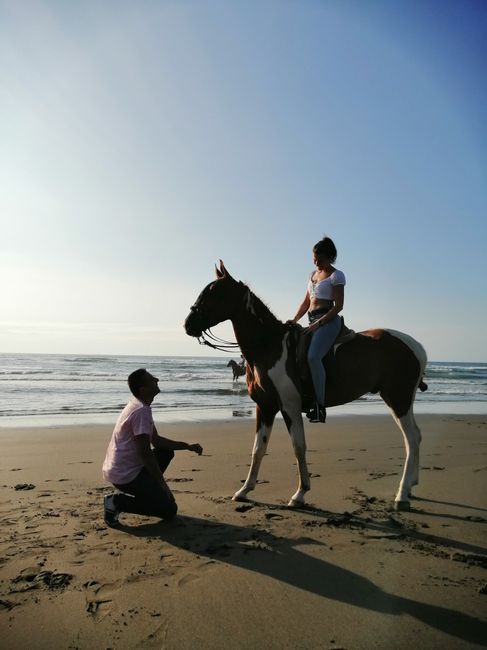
[(375, 361)]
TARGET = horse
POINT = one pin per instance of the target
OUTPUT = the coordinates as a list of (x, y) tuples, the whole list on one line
[(383, 361), (238, 369)]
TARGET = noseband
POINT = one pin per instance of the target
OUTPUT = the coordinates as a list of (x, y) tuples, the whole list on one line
[(207, 336)]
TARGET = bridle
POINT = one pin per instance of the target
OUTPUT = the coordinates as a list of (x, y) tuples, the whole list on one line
[(219, 344), (208, 338)]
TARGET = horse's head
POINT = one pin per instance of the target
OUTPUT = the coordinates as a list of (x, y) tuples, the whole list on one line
[(217, 302)]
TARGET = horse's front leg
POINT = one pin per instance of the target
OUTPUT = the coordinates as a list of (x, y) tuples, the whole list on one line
[(294, 423), (264, 422)]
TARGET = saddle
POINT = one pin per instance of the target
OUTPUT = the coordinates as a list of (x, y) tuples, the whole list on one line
[(302, 344)]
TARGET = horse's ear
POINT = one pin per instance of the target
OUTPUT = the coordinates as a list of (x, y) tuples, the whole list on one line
[(222, 271), (219, 273)]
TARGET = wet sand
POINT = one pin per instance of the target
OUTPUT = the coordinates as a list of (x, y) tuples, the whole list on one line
[(347, 572)]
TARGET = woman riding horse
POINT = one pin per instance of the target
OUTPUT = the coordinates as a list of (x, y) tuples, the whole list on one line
[(323, 302), (383, 361)]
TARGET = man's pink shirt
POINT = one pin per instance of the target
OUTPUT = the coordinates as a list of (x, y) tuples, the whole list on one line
[(122, 461)]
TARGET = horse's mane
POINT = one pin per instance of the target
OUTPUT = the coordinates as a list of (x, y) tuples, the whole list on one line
[(261, 310)]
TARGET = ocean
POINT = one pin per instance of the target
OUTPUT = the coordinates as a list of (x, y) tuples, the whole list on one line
[(57, 389)]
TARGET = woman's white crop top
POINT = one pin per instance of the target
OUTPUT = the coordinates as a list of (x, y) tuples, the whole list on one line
[(323, 290)]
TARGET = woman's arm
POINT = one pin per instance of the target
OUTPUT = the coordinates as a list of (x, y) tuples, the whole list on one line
[(303, 308)]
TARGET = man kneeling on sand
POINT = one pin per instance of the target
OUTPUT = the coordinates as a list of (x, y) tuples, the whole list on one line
[(135, 467)]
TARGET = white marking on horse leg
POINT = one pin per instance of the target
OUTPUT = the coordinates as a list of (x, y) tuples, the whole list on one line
[(290, 400), (260, 445), (295, 427), (412, 439)]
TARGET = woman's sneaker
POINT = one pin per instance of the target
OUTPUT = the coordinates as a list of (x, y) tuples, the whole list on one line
[(317, 413), (111, 512)]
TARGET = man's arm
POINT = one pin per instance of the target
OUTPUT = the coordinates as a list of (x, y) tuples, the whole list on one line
[(149, 460), (165, 443)]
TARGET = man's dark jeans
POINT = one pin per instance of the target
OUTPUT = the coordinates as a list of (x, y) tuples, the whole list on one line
[(147, 496)]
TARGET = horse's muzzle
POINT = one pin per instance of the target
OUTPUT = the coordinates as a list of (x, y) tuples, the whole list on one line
[(192, 324)]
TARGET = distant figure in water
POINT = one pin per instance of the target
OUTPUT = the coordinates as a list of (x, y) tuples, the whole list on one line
[(138, 456), (239, 369)]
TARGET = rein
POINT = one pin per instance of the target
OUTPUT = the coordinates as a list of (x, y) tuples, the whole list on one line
[(219, 344)]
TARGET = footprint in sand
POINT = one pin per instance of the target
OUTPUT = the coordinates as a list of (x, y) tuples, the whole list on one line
[(99, 598), (221, 550), (273, 515), (373, 476), (244, 508), (192, 577), (32, 578), (158, 635)]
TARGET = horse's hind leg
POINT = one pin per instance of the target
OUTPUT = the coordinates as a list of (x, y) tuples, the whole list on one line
[(418, 438), (410, 475), (295, 427), (263, 433)]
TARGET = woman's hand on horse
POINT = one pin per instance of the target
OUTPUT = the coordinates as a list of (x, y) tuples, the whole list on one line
[(312, 328)]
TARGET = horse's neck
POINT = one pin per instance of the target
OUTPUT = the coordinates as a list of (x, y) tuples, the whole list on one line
[(255, 328)]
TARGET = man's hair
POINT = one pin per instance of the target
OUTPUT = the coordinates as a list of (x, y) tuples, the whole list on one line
[(136, 380)]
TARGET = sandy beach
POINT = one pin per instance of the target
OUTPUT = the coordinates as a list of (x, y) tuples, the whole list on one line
[(347, 572)]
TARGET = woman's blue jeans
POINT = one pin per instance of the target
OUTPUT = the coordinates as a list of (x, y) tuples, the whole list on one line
[(322, 340)]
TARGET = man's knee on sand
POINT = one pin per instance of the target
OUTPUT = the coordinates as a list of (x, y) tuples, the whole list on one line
[(170, 511)]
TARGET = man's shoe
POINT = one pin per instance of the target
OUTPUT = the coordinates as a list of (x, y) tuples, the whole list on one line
[(317, 413), (111, 513)]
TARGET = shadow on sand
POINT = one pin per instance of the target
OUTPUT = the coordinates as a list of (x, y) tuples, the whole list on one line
[(255, 549)]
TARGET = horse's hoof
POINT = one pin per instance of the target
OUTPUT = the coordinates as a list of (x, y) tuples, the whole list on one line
[(295, 504), (239, 497), (402, 506)]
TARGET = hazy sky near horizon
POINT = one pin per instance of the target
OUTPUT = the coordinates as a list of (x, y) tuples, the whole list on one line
[(142, 141)]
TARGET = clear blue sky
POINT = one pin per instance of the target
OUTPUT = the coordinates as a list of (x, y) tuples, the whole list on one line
[(142, 141)]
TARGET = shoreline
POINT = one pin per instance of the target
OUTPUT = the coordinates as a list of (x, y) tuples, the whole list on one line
[(344, 572), (359, 408)]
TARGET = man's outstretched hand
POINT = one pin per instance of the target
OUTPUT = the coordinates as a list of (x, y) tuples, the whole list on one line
[(198, 449)]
